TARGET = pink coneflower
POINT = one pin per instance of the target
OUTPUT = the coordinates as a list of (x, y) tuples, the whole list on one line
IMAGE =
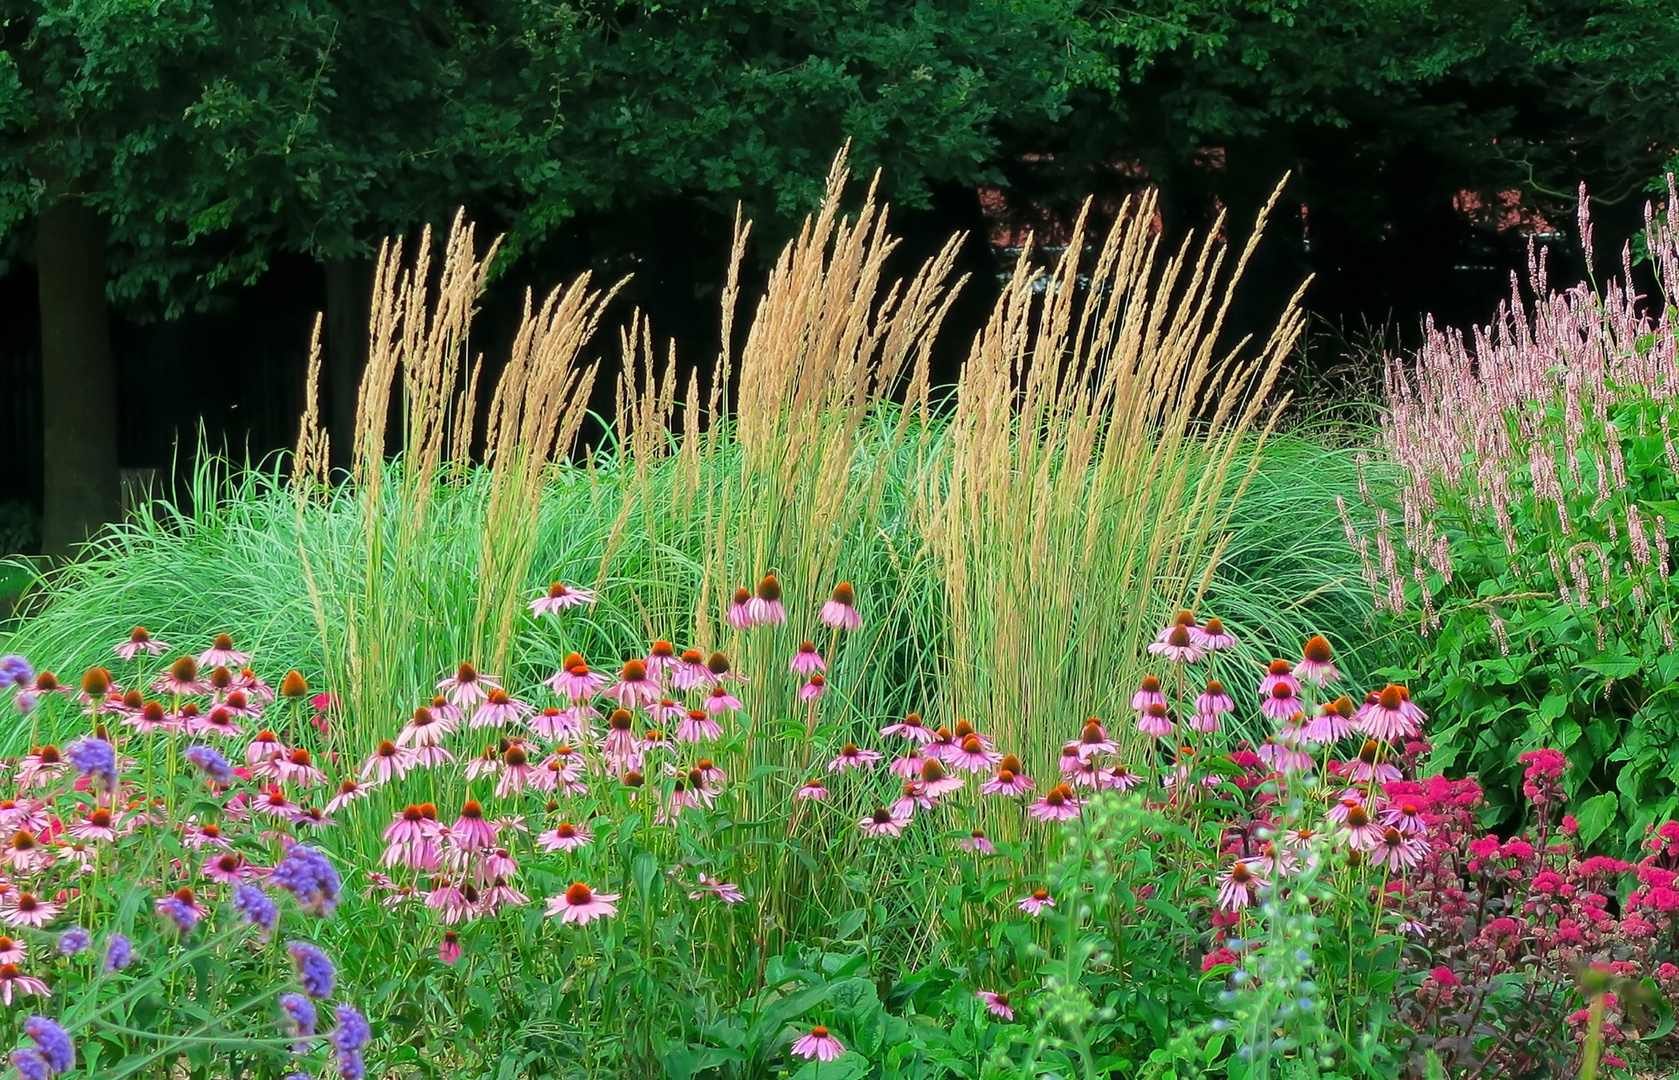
[(445, 713), (453, 903), (722, 890), (943, 742), (1212, 637), (219, 722), (203, 836), (717, 667), (1178, 646), (634, 686), (720, 700), (1214, 700), (1390, 716), (40, 767), (1093, 740), (558, 598), (12, 950), (819, 1045), (1398, 851), (274, 803), (1333, 722), (807, 661), (698, 726), (1283, 757), (765, 608), (1406, 817), (550, 723), (99, 824), (14, 983), (348, 792), (1239, 886), (1010, 779), (1154, 722), (1357, 831), (908, 767), (25, 909), (882, 823), (389, 762), (471, 831), (1278, 672), (24, 853), (1070, 761), (449, 949), (840, 612), (31, 814), (408, 826), (1088, 774), (565, 837), (690, 672), (221, 653), (298, 767), (972, 756), (149, 718), (1149, 693), (661, 660), (239, 704), (621, 742), (180, 680), (664, 711), (977, 842), (518, 773), (263, 748), (814, 688), (1034, 904), (140, 641), (502, 895), (851, 756), (568, 761), (739, 614), (915, 797), (424, 728), (228, 868), (812, 789), (1119, 778), (1058, 804), (581, 905), (1316, 665), (1370, 767), (467, 687), (910, 728), (997, 1004), (937, 782), (498, 865), (248, 682), (499, 709), (1282, 702)]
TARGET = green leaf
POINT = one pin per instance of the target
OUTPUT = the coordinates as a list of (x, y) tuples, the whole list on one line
[(1595, 815)]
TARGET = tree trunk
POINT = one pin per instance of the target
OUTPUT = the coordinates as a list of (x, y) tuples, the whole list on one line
[(78, 376), (349, 304)]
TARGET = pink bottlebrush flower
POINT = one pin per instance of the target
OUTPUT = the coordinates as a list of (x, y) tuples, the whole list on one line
[(813, 689), (1010, 780), (582, 905), (499, 709), (997, 1004), (1119, 778), (813, 790), (720, 700), (882, 823), (1239, 886), (467, 686), (1035, 903), (1398, 851), (1316, 665), (1388, 715), (25, 909), (910, 728), (1212, 637), (807, 661), (909, 766), (977, 842), (389, 762), (634, 687), (221, 653), (721, 890), (14, 983), (558, 598), (1058, 804), (1149, 693), (565, 837), (851, 756), (840, 612), (765, 607), (140, 641), (1154, 722), (819, 1045)]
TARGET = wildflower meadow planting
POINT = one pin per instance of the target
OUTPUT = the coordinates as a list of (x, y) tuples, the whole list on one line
[(1073, 721)]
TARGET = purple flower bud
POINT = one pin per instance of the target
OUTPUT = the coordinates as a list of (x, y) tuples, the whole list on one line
[(352, 1032), (210, 762), (306, 874), (74, 941), (254, 907), (30, 1065), (178, 911), (300, 1012), (314, 970), (119, 953), (55, 1045), (95, 759), (15, 671)]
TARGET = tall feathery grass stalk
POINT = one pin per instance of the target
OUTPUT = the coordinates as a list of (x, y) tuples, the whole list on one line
[(1098, 448)]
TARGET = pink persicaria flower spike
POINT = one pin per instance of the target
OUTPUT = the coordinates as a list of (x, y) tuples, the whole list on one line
[(14, 983), (140, 641), (819, 1045), (634, 687), (997, 1004), (1278, 672), (1282, 703), (977, 842), (499, 709), (721, 890), (1119, 778), (813, 689), (720, 701), (1094, 740), (690, 672), (221, 653), (1317, 665), (1010, 779), (882, 823), (1398, 851), (1390, 716), (1035, 903), (1058, 804), (1149, 693), (910, 728), (1333, 722), (1154, 722), (697, 725), (181, 680), (467, 686), (1212, 636), (739, 614), (813, 790), (582, 905), (765, 606), (1371, 765), (807, 661), (1178, 648), (565, 837), (559, 597), (840, 612), (388, 762), (1239, 886)]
